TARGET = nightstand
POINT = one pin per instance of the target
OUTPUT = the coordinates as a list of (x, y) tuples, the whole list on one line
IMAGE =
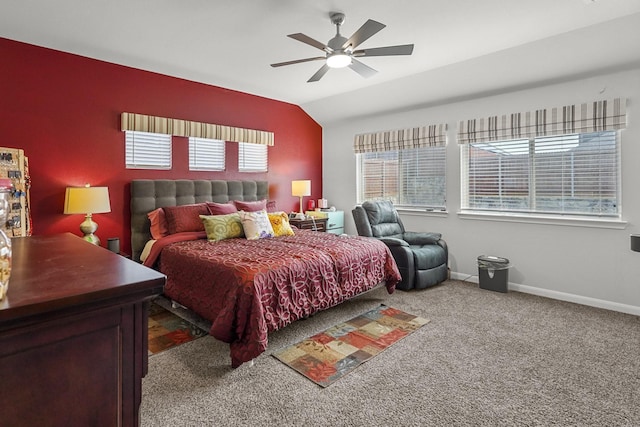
[(335, 220), (317, 224)]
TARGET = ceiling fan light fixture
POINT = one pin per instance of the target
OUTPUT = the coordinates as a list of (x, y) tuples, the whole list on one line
[(340, 52), (338, 60)]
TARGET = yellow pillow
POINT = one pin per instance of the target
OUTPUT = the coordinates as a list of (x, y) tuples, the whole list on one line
[(280, 224)]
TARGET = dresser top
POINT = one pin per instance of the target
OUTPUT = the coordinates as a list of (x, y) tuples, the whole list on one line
[(61, 271)]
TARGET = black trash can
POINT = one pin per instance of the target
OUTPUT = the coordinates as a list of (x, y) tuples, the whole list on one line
[(493, 273)]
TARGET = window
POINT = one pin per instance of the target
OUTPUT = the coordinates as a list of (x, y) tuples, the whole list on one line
[(406, 166), (410, 177), (575, 174), (252, 157), (206, 154), (145, 150)]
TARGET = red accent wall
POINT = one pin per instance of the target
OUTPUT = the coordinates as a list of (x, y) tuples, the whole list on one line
[(64, 111)]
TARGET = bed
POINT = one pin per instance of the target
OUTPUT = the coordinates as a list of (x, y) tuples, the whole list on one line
[(250, 287)]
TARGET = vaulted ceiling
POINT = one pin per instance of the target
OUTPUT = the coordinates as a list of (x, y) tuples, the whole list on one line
[(463, 48)]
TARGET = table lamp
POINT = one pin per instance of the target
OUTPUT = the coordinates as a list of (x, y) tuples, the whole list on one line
[(300, 189), (635, 242), (87, 200)]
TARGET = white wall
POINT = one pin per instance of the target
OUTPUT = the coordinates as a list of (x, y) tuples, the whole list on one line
[(588, 265)]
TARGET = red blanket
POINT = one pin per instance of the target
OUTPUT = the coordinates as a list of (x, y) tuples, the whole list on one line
[(249, 288)]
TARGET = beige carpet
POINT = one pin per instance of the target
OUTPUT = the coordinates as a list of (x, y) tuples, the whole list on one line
[(485, 359)]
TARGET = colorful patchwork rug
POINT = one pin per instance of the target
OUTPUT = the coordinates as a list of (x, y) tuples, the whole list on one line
[(168, 330), (328, 356)]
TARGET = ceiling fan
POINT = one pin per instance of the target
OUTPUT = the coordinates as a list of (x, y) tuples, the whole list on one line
[(340, 52)]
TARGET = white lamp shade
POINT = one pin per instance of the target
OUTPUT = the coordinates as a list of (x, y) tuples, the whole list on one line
[(86, 200), (301, 188)]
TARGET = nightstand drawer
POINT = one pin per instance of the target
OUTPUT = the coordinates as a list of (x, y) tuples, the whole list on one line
[(317, 224)]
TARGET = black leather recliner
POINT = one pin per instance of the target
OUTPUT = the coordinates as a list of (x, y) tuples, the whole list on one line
[(422, 258)]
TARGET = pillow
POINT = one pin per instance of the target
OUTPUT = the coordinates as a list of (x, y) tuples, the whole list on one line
[(251, 206), (147, 250), (271, 206), (158, 224), (185, 218), (221, 208), (221, 227), (280, 223), (256, 225)]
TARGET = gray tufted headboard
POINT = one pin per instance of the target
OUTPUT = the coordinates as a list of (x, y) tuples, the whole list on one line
[(150, 194)]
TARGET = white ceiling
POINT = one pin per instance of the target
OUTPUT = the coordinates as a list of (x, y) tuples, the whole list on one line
[(462, 47)]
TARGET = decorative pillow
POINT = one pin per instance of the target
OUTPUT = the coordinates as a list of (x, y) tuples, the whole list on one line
[(221, 208), (256, 225), (251, 206), (221, 227), (147, 250), (185, 218), (280, 223), (271, 206), (158, 224)]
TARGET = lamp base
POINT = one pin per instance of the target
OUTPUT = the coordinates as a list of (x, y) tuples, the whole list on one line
[(88, 227), (300, 212), (92, 238)]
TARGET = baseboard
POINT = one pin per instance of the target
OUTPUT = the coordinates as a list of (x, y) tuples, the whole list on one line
[(562, 296)]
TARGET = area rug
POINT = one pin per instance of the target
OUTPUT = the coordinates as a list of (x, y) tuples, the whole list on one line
[(167, 329), (328, 356)]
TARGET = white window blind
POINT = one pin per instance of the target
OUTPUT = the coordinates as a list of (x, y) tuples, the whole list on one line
[(145, 150), (412, 178), (575, 174), (206, 154), (252, 157)]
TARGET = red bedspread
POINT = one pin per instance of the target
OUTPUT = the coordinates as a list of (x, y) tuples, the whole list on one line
[(249, 288)]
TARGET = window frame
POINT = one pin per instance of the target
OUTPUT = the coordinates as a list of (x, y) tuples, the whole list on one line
[(427, 204), (200, 163), (242, 146), (582, 218), (167, 149)]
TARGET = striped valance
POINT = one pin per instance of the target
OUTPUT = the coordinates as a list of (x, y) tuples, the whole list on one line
[(401, 139), (583, 118), (154, 124)]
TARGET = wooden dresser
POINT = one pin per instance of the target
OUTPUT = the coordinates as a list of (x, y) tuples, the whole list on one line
[(73, 334)]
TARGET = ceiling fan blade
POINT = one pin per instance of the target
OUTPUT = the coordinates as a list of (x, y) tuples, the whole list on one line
[(298, 61), (405, 49), (362, 69), (318, 75), (368, 29), (308, 40)]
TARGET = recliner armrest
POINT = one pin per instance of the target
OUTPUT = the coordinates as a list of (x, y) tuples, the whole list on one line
[(414, 238), (362, 222), (392, 241)]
